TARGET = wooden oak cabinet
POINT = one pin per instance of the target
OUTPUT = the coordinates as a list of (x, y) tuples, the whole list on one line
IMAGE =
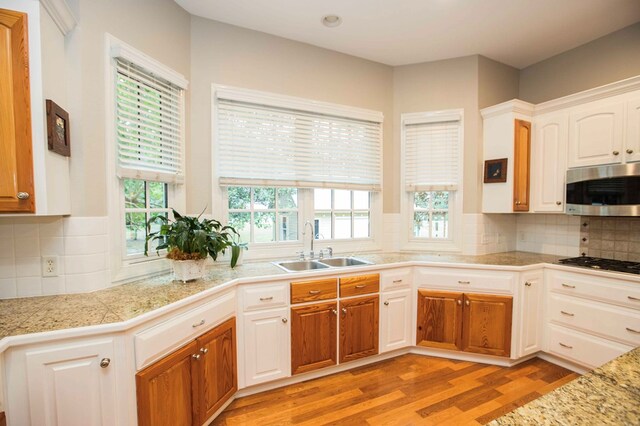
[(521, 165), (468, 322), (313, 337), (359, 328), (16, 163), (191, 384)]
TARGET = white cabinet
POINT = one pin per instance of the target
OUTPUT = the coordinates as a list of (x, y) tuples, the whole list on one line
[(596, 134), (549, 155), (265, 347), (530, 330), (67, 384), (395, 320), (632, 141)]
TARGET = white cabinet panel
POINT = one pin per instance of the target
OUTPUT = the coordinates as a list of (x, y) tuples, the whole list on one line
[(261, 296), (266, 346), (530, 336), (465, 280), (396, 279), (551, 135), (632, 142), (596, 135), (395, 320)]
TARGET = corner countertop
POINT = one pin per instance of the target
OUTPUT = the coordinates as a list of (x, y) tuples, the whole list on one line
[(609, 395), (127, 301)]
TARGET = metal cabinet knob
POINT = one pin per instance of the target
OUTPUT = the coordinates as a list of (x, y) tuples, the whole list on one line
[(629, 151), (195, 356), (204, 350), (104, 362), (467, 303), (616, 152), (23, 195), (386, 303), (284, 320), (459, 302), (344, 311), (334, 312), (517, 203), (558, 203), (527, 283)]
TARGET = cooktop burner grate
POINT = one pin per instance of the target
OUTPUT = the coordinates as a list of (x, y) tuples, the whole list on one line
[(604, 264)]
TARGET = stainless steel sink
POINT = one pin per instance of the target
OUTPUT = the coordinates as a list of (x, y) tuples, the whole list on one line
[(300, 265), (344, 261)]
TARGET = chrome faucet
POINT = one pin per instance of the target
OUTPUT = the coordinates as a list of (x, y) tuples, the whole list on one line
[(304, 232)]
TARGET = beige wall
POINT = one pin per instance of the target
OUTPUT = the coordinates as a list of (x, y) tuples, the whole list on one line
[(158, 28), (234, 56), (497, 82), (610, 58)]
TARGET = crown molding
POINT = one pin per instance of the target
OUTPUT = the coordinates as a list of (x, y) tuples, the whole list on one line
[(515, 106), (61, 14)]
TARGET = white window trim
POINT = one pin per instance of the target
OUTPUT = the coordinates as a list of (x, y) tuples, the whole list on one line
[(127, 269), (288, 249), (408, 242)]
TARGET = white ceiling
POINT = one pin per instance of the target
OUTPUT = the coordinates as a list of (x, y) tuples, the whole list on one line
[(398, 32)]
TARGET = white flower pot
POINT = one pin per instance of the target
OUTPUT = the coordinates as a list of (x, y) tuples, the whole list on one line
[(188, 270)]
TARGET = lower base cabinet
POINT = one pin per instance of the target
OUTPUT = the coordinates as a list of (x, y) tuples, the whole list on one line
[(313, 337), (191, 384), (359, 328)]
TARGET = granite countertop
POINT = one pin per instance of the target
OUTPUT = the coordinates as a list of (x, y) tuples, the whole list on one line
[(609, 395), (127, 301)]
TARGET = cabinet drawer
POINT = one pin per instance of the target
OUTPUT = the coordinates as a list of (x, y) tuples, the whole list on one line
[(466, 280), (166, 336), (584, 349), (308, 291), (611, 322), (396, 279), (359, 284), (620, 292), (264, 296)]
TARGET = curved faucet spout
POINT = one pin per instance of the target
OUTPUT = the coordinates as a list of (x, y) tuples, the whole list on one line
[(304, 232)]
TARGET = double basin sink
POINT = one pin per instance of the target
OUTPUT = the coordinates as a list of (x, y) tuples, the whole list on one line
[(310, 265)]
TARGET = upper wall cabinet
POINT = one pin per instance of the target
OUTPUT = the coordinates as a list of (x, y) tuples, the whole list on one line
[(632, 148), (549, 158), (596, 134)]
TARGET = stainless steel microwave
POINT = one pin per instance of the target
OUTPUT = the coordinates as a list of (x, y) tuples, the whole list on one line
[(604, 190)]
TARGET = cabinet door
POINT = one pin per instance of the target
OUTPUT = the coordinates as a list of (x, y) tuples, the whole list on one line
[(164, 390), (439, 319), (549, 150), (632, 148), (595, 135), (266, 344), (395, 320), (313, 337), (486, 324), (359, 328), (530, 335), (521, 166), (217, 378), (16, 164), (67, 384)]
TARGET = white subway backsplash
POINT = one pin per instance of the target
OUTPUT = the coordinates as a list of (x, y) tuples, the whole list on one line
[(488, 233), (80, 243), (549, 234)]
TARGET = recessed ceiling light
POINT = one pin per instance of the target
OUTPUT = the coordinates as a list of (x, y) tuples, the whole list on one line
[(331, 20)]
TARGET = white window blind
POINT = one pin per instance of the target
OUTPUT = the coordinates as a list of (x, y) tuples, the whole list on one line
[(268, 145), (432, 160), (149, 125)]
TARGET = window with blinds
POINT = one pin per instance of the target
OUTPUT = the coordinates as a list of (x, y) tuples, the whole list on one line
[(149, 125), (268, 145)]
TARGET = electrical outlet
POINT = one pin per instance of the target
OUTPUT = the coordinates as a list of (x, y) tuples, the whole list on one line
[(49, 266)]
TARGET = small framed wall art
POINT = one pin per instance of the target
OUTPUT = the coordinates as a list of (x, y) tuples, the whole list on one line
[(495, 170), (58, 138)]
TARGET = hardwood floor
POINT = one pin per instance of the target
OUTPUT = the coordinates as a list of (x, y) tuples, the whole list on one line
[(407, 390)]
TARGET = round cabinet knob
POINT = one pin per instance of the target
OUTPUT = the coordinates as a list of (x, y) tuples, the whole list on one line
[(558, 203), (104, 362), (334, 312), (195, 356), (344, 311), (386, 303), (284, 320), (629, 151), (204, 350), (616, 152), (517, 203), (467, 303), (527, 283), (23, 195), (459, 302)]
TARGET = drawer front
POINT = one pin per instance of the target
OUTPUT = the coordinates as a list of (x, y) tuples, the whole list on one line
[(166, 336), (583, 349), (466, 280), (264, 296), (359, 284), (396, 279), (309, 291), (620, 292), (611, 322)]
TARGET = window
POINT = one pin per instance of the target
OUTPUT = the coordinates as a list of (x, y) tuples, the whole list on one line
[(341, 214), (262, 214), (142, 201), (432, 175)]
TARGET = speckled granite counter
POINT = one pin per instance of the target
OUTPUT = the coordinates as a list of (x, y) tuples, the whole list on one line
[(609, 395), (123, 302)]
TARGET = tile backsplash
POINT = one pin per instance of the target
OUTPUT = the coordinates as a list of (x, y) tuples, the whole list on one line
[(611, 237), (549, 234)]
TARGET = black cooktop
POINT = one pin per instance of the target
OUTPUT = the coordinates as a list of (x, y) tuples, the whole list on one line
[(604, 264)]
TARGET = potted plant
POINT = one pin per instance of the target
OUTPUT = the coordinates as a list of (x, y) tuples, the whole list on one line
[(189, 240)]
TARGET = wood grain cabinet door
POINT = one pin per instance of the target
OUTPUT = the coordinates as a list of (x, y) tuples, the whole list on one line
[(217, 378), (359, 328), (164, 390), (16, 164), (439, 319), (313, 337), (521, 166), (486, 324)]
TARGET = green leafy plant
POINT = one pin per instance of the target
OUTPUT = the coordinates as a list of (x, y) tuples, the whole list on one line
[(192, 238)]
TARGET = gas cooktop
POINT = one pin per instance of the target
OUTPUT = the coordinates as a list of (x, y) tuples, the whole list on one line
[(603, 264)]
